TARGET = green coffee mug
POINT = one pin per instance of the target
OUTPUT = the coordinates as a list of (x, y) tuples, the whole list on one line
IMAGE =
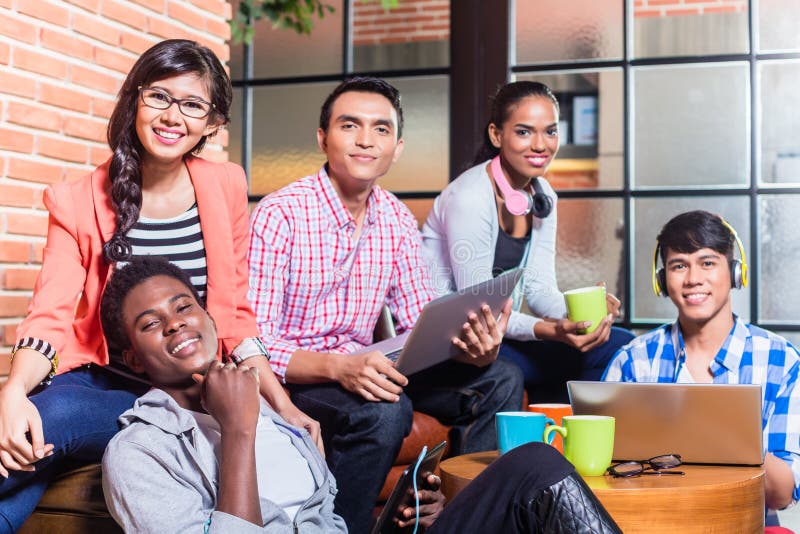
[(588, 442), (587, 304)]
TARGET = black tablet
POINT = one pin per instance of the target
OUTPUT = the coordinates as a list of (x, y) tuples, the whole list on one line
[(403, 493)]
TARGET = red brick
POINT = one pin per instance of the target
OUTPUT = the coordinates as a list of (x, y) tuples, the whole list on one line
[(159, 6), (20, 278), (61, 149), (102, 108), (38, 252), (6, 3), (26, 223), (98, 155), (190, 17), (35, 116), (220, 28), (9, 338), (40, 63), (121, 12), (48, 11), (18, 196), (166, 29), (16, 141), (647, 13), (72, 174), (94, 79), (678, 12), (216, 7), (17, 29), (13, 305), (93, 130), (66, 44), (5, 365), (15, 84), (15, 251), (95, 28), (136, 43), (64, 98), (5, 53), (721, 9), (113, 60), (89, 5), (34, 171)]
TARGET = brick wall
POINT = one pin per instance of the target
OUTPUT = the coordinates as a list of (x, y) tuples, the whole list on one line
[(61, 64), (412, 21), (667, 8)]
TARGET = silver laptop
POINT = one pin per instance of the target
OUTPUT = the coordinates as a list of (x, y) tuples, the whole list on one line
[(429, 342), (704, 423)]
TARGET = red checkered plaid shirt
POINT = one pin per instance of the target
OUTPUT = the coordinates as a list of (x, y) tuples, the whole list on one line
[(313, 288)]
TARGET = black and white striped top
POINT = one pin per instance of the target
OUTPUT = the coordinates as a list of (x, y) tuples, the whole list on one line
[(178, 239)]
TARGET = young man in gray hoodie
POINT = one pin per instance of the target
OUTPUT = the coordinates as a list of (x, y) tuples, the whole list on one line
[(203, 452)]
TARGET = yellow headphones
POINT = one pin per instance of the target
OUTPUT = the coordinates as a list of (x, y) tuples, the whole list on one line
[(738, 268)]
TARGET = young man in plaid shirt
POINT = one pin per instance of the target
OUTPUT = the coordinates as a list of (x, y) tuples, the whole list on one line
[(327, 253), (708, 343)]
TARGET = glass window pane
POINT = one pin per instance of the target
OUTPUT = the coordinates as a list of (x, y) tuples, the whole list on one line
[(425, 162), (778, 23), (565, 30), (283, 52), (691, 126), (779, 292), (649, 215), (235, 127), (285, 120), (679, 28), (779, 121), (591, 155), (590, 247), (416, 34)]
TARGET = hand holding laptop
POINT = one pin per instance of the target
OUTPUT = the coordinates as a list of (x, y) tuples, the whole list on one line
[(481, 336), (371, 375)]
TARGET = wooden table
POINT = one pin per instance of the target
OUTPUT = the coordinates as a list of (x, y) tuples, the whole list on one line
[(707, 499)]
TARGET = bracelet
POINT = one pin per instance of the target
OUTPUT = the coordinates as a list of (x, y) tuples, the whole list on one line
[(42, 347), (249, 347)]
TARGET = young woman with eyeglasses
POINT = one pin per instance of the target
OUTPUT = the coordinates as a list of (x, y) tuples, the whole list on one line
[(152, 197)]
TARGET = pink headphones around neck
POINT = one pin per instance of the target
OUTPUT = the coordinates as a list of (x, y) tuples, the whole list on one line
[(521, 202)]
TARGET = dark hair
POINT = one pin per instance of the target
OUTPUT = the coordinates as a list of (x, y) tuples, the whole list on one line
[(689, 232), (122, 282), (163, 60), (503, 103), (363, 84)]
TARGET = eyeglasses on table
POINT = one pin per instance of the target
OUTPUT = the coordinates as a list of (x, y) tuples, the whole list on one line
[(657, 465)]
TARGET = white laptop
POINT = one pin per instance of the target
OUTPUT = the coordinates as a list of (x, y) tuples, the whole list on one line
[(704, 423), (429, 342)]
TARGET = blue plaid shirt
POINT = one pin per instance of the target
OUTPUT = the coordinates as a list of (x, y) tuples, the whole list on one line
[(750, 355)]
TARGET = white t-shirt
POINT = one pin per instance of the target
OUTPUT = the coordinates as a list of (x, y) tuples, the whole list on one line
[(283, 474)]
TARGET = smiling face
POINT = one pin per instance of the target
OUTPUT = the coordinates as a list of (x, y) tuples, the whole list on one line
[(699, 284), (168, 135), (171, 336), (528, 139), (361, 140)]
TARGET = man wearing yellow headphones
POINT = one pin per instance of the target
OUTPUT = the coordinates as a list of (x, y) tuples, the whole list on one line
[(708, 343)]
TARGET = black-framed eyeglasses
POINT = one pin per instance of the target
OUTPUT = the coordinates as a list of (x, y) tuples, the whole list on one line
[(195, 108), (656, 465)]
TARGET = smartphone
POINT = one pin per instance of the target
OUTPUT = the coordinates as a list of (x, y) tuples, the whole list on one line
[(402, 495)]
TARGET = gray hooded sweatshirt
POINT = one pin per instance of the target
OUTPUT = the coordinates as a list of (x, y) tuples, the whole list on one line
[(160, 475)]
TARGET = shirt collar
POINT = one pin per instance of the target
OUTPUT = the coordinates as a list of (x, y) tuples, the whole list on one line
[(336, 209), (730, 354)]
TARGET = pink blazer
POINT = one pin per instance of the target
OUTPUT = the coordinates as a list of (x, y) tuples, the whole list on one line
[(65, 309)]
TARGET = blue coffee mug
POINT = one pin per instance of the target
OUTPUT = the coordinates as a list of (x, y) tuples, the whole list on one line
[(517, 428)]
